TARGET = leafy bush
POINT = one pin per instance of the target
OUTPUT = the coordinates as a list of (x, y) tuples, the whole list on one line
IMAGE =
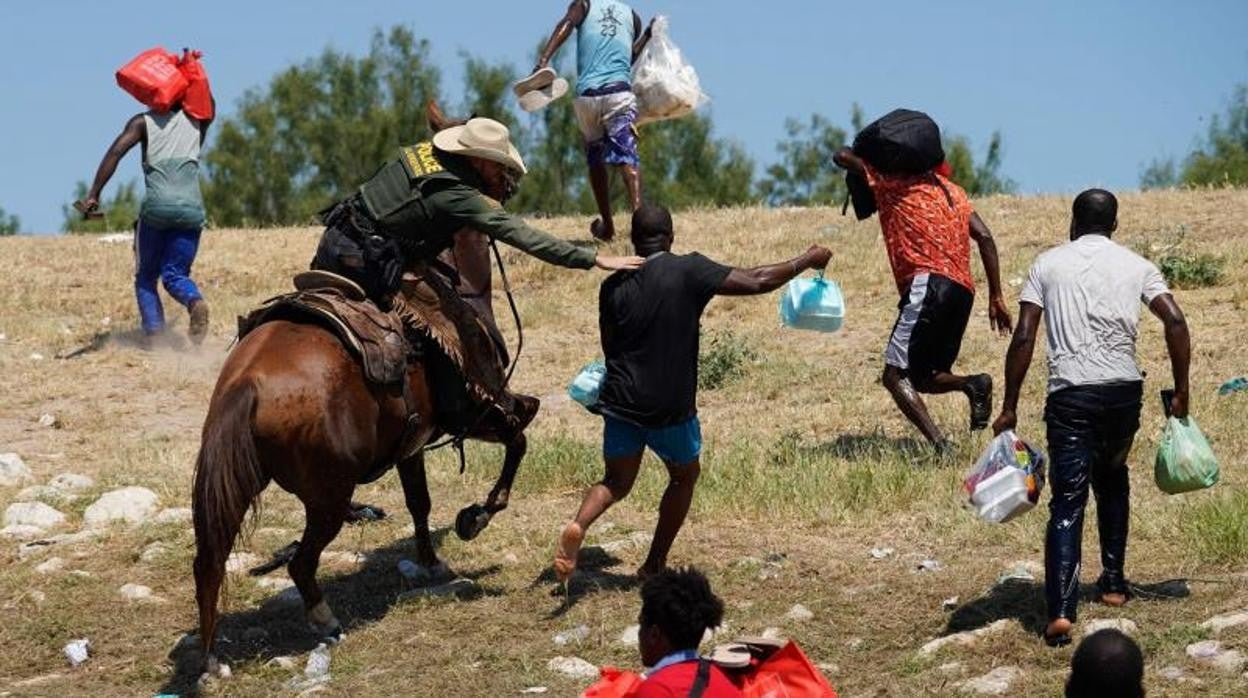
[(723, 360), (1189, 270), (1182, 269)]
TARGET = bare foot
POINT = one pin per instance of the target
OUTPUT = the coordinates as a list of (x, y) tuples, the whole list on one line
[(1113, 599), (567, 550), (1057, 634)]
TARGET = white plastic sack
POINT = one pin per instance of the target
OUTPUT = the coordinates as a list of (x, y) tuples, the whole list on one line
[(1007, 479), (666, 86)]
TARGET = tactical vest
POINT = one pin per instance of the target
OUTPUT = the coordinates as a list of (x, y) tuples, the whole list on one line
[(394, 199)]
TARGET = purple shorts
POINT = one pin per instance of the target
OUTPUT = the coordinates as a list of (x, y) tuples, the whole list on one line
[(607, 123)]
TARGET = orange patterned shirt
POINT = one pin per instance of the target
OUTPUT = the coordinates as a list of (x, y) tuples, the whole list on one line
[(922, 231)]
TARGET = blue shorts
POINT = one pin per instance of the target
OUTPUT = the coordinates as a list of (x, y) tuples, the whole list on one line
[(680, 444)]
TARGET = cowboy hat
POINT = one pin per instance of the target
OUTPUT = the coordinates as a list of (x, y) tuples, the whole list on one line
[(481, 138)]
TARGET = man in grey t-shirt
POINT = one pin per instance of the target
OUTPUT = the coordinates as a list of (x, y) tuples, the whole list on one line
[(1089, 292)]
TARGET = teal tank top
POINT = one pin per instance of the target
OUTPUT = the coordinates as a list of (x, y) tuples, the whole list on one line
[(171, 172), (604, 46)]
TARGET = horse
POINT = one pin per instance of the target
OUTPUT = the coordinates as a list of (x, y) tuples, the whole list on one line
[(292, 406)]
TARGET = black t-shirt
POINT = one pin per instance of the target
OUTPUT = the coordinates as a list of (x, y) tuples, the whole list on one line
[(650, 321)]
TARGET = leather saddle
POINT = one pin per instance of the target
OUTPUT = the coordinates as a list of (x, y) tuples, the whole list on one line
[(339, 305)]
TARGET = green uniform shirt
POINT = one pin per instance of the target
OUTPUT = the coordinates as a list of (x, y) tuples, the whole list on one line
[(425, 196)]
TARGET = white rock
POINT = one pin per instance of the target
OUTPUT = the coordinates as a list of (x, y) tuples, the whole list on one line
[(950, 603), (44, 493), (154, 552), (573, 667), (1210, 652), (50, 565), (71, 482), (631, 636), (637, 541), (174, 515), (511, 559), (1206, 649), (773, 633), (36, 356), (799, 613), (239, 562), (21, 532), (995, 683), (135, 592), (286, 663), (50, 421), (1024, 571), (1122, 625), (574, 635), (535, 690), (964, 639), (35, 514), (77, 651), (318, 662), (1227, 620), (37, 596), (1172, 673), (949, 668), (275, 583), (129, 504), (930, 566), (855, 643), (13, 471), (115, 238), (880, 553)]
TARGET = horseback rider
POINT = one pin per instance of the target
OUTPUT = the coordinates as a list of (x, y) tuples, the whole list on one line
[(388, 235)]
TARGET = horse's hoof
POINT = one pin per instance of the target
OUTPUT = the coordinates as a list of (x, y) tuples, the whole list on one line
[(471, 521), (215, 669), (323, 623)]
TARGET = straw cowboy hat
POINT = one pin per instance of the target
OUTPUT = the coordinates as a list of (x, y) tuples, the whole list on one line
[(481, 138)]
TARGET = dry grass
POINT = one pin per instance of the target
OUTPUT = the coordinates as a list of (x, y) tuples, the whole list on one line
[(806, 458)]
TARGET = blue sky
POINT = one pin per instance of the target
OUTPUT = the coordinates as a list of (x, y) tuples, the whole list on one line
[(1084, 92)]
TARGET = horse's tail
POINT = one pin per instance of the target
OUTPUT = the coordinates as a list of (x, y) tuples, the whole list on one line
[(228, 474), (228, 480)]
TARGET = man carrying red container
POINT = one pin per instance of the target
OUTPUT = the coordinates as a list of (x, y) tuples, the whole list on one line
[(171, 216)]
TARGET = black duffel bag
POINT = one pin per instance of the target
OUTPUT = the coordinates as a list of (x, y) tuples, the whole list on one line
[(902, 142)]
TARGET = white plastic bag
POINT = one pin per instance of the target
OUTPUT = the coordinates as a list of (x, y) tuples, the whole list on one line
[(666, 86), (1007, 479)]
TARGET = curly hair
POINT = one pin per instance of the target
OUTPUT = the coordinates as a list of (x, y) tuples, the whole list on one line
[(1108, 664), (680, 602)]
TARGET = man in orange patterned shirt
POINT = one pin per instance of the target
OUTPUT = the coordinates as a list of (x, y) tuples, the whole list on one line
[(928, 225)]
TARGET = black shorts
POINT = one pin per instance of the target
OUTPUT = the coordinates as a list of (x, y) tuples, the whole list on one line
[(928, 334)]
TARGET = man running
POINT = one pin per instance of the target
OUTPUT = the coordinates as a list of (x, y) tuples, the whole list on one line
[(1089, 291), (609, 39), (650, 325), (928, 225), (171, 217)]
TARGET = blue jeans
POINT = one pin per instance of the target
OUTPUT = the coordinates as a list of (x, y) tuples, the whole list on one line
[(1090, 432), (164, 255)]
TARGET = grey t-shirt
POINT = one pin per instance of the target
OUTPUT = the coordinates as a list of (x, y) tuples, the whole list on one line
[(1090, 290)]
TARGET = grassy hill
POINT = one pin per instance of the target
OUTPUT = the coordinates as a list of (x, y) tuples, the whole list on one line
[(808, 466)]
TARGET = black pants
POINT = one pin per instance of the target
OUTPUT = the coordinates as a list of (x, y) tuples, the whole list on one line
[(1090, 432)]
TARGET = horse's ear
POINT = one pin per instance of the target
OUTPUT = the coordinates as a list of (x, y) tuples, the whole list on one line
[(439, 121)]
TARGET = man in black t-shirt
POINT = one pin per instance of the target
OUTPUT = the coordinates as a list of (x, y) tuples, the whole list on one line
[(649, 320)]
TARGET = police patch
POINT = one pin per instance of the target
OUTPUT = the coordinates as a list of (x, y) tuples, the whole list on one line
[(419, 160)]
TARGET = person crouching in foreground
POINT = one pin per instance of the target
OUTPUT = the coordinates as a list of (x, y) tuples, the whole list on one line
[(649, 320), (677, 608)]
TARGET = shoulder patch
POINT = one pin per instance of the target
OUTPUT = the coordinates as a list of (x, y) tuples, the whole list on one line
[(419, 160)]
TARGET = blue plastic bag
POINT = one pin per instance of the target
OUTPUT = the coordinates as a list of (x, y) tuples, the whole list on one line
[(813, 304), (587, 384), (1185, 463)]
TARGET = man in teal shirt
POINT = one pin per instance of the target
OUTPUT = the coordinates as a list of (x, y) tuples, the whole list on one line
[(608, 40)]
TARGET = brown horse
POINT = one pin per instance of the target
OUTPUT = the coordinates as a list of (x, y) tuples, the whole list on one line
[(292, 406)]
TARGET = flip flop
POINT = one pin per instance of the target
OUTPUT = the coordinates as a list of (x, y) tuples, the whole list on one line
[(536, 81), (540, 98), (566, 551)]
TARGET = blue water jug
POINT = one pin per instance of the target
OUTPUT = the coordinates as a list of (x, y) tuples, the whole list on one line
[(813, 304), (585, 387)]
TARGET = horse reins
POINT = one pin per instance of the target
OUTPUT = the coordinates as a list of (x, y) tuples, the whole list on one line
[(458, 441)]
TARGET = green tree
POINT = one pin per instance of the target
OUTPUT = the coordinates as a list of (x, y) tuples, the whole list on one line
[(9, 223), (317, 131), (1160, 174), (1223, 159), (557, 182), (683, 164), (978, 179), (119, 212), (805, 175)]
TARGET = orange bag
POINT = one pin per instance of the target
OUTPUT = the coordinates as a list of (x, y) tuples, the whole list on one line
[(198, 100), (786, 673), (614, 683), (153, 78)]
